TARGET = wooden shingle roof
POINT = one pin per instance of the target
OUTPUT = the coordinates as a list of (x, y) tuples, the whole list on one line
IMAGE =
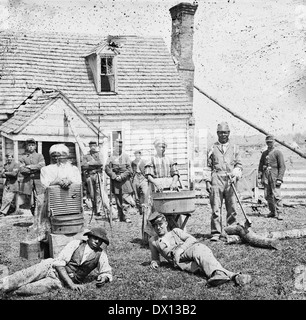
[(148, 81), (33, 106)]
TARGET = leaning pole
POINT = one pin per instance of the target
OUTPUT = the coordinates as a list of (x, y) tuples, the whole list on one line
[(249, 123)]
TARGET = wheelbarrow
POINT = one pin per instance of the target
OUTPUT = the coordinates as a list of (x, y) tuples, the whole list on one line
[(175, 205)]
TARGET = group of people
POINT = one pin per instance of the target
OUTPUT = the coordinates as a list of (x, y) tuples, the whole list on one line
[(131, 184)]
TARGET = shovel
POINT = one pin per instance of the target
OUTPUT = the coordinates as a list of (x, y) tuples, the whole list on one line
[(248, 222)]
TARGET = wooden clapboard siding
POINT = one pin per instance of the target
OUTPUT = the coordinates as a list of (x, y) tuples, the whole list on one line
[(141, 133)]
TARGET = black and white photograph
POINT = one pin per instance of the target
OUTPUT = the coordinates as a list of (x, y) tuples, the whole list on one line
[(153, 153)]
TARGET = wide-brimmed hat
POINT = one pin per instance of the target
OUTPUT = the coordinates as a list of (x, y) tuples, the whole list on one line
[(99, 233), (92, 142)]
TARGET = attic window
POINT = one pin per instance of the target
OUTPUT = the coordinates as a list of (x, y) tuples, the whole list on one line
[(107, 74)]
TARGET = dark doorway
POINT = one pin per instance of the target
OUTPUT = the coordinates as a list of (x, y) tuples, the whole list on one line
[(47, 145)]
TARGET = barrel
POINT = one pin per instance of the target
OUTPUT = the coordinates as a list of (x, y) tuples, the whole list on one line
[(174, 202), (67, 224)]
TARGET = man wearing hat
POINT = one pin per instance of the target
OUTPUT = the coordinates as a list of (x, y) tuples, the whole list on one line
[(187, 254), (59, 172), (139, 181), (73, 264), (271, 172), (162, 174), (161, 170), (223, 159), (118, 168), (30, 186), (10, 187), (92, 168)]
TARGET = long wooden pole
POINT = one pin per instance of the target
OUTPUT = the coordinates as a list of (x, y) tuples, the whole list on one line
[(249, 123)]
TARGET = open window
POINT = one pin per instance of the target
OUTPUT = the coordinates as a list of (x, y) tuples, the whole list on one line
[(107, 74)]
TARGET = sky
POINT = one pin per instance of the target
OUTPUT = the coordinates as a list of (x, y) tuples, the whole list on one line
[(250, 55)]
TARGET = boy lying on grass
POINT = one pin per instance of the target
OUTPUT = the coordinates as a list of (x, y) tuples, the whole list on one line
[(70, 268), (186, 253)]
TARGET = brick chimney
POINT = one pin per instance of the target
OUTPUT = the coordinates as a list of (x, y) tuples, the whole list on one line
[(182, 42)]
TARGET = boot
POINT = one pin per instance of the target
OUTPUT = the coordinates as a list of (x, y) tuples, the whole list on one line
[(271, 215)]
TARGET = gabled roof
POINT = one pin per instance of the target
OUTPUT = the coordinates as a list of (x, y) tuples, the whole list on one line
[(35, 105), (148, 81)]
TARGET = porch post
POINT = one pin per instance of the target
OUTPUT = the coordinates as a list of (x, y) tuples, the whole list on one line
[(39, 146), (15, 150), (78, 156), (3, 149)]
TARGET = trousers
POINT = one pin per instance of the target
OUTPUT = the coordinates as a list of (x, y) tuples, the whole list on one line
[(7, 199), (200, 257), (37, 279), (221, 190), (273, 196)]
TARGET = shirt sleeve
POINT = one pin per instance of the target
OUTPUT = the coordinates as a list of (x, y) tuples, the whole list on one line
[(103, 267), (154, 252), (187, 239), (149, 169), (65, 255), (208, 169), (44, 178), (40, 163), (76, 175), (281, 166)]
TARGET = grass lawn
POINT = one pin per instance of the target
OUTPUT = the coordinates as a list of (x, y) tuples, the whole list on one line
[(272, 270)]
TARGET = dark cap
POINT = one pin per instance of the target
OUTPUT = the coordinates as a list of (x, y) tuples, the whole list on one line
[(31, 140), (270, 138), (92, 142), (99, 233), (156, 217)]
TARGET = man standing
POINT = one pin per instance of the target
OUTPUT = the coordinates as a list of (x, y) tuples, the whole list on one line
[(187, 254), (60, 172), (92, 167), (73, 264), (271, 172), (30, 164), (162, 174), (10, 187), (223, 159), (118, 168), (162, 171), (140, 182)]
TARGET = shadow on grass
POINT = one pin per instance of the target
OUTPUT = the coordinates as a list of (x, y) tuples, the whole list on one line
[(139, 241), (201, 235), (22, 224)]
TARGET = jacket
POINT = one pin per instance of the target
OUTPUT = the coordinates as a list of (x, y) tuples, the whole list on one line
[(80, 271), (220, 162), (120, 166), (272, 161), (30, 165)]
